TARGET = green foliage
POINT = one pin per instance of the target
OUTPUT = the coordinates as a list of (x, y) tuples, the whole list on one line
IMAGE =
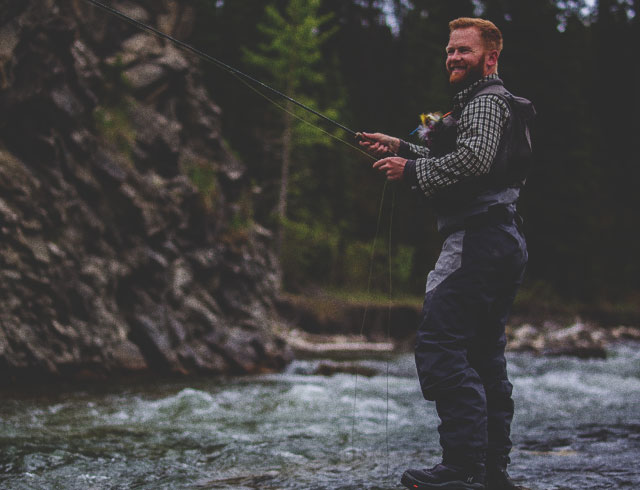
[(290, 57), (202, 175), (319, 252), (112, 118), (114, 124), (309, 250), (243, 216), (580, 205), (116, 84), (367, 270)]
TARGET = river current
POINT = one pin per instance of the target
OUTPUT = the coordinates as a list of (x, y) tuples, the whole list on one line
[(577, 426)]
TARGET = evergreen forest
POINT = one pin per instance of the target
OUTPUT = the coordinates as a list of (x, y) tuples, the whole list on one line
[(376, 65)]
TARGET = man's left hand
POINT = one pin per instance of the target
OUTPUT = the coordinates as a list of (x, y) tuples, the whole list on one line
[(393, 167)]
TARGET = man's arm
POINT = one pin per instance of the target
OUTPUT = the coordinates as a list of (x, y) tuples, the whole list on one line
[(413, 150), (381, 144)]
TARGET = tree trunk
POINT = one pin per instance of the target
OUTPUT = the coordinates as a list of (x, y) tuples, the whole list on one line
[(284, 176)]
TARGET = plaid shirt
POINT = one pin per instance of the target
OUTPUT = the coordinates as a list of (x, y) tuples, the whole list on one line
[(480, 128)]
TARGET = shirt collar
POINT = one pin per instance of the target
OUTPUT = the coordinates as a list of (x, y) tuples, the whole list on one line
[(461, 98)]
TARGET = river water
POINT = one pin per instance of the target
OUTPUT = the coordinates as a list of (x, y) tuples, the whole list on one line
[(577, 426)]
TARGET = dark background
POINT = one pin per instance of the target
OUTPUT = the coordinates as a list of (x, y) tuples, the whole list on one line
[(383, 65)]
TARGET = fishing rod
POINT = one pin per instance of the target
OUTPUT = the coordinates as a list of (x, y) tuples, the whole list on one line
[(247, 79), (218, 63)]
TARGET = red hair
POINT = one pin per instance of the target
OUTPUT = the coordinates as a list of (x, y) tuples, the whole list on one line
[(490, 34)]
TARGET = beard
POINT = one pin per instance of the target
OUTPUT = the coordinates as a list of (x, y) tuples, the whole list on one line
[(461, 80)]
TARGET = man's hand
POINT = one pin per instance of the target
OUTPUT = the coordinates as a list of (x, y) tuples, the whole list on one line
[(393, 167), (379, 144)]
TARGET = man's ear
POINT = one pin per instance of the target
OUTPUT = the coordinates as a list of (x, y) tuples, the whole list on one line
[(492, 58)]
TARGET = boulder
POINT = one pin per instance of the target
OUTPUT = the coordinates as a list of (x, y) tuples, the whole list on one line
[(583, 340)]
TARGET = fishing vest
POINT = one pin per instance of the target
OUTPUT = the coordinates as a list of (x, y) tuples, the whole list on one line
[(509, 169)]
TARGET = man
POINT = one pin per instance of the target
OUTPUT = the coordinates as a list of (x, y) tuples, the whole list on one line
[(471, 171)]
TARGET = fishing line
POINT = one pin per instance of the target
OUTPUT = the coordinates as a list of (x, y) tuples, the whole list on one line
[(389, 261), (366, 310), (302, 119), (364, 317), (251, 83), (218, 63)]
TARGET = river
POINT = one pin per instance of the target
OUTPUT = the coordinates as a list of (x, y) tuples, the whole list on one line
[(577, 426)]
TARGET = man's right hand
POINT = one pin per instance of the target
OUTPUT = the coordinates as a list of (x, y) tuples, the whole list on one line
[(379, 144)]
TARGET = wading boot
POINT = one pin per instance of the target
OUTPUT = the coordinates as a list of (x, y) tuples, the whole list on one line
[(445, 477), (499, 479)]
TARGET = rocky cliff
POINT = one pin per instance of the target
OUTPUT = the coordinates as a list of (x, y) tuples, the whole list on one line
[(127, 243)]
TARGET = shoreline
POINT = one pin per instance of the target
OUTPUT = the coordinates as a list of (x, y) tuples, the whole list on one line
[(316, 320), (324, 326)]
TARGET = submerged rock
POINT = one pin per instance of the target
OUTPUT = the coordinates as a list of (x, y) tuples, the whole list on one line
[(578, 341), (329, 368)]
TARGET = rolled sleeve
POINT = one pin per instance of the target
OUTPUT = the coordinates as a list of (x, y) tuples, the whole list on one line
[(410, 150)]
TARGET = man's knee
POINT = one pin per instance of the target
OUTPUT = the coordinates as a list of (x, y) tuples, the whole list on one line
[(438, 385), (498, 388)]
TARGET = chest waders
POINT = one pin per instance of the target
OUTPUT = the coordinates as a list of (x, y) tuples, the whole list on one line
[(461, 340)]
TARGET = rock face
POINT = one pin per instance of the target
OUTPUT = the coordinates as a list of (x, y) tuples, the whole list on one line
[(127, 239)]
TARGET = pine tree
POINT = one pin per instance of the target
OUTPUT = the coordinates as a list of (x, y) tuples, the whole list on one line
[(290, 57)]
